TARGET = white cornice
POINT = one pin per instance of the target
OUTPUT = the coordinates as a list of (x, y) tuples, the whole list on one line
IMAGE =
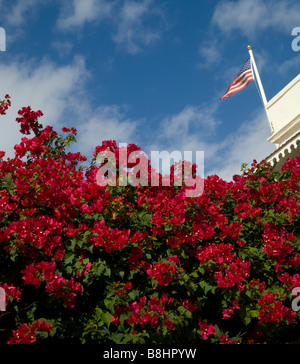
[(288, 150)]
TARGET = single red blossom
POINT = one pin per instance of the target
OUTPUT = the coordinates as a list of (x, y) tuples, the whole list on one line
[(229, 311), (125, 287), (225, 340), (206, 330), (256, 283), (190, 306), (169, 324)]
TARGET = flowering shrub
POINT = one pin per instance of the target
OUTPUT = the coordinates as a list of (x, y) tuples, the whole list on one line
[(81, 263)]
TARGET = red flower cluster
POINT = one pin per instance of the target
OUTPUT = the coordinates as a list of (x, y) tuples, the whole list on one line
[(11, 291), (29, 120), (56, 285), (229, 311), (192, 307), (206, 330), (165, 273), (28, 334), (143, 264), (125, 287), (226, 341), (230, 270), (237, 272), (107, 238), (144, 314), (273, 310), (278, 243), (5, 104)]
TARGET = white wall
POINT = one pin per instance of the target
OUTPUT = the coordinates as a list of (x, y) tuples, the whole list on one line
[(284, 112)]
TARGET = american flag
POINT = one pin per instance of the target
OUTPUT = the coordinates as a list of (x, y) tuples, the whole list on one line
[(242, 80)]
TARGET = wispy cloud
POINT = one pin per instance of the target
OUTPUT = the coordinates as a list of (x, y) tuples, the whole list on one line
[(251, 17), (45, 87), (21, 11), (132, 24), (286, 66), (107, 122), (75, 13), (139, 23), (210, 53), (60, 92), (247, 143), (195, 128)]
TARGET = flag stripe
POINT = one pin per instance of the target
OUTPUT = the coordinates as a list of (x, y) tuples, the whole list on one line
[(241, 84), (233, 92), (246, 76), (242, 80)]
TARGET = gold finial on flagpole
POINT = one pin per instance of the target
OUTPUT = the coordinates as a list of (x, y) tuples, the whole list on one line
[(249, 47)]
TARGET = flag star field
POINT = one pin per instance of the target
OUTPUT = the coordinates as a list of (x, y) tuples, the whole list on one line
[(149, 72)]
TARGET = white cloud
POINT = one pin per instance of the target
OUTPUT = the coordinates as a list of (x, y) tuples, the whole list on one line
[(176, 128), (20, 12), (192, 129), (76, 13), (63, 48), (44, 87), (195, 129), (210, 54), (249, 142), (132, 24), (133, 29), (107, 122), (250, 17), (289, 64), (59, 91)]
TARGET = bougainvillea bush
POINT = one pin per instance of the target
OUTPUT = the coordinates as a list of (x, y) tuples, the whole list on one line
[(80, 263)]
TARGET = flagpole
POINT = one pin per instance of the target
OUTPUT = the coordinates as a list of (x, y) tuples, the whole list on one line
[(261, 88)]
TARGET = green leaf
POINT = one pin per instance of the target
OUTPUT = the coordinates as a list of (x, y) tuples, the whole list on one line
[(69, 258), (103, 316), (118, 338), (107, 272)]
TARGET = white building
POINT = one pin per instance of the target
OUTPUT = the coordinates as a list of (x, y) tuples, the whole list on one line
[(284, 115)]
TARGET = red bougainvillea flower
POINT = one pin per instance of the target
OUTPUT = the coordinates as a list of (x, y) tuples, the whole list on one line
[(27, 334), (273, 310), (142, 264), (165, 273), (226, 341), (5, 104), (29, 120), (192, 307), (206, 330)]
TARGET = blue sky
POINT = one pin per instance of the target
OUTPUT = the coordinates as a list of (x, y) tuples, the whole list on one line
[(149, 72)]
